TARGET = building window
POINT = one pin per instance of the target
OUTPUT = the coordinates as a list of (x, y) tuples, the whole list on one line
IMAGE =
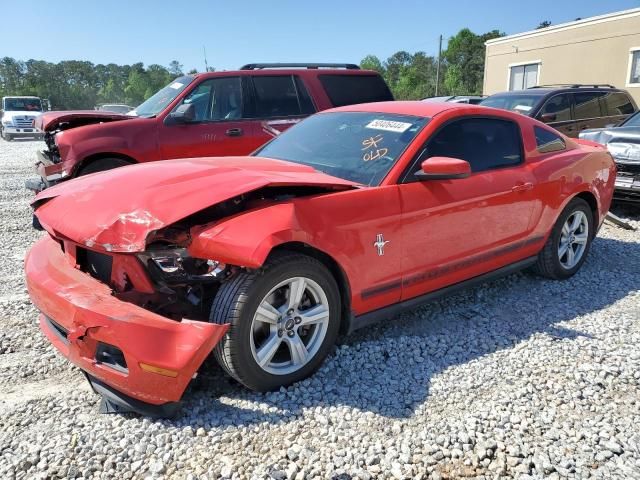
[(634, 66), (523, 76)]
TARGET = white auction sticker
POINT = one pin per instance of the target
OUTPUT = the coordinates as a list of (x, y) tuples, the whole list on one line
[(176, 85), (388, 125), (524, 108)]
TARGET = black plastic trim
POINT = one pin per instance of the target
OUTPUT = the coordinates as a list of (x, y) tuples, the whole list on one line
[(259, 66), (58, 330), (370, 318), (114, 401)]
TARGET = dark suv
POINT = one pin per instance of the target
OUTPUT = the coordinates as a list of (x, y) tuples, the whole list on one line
[(568, 108), (204, 115)]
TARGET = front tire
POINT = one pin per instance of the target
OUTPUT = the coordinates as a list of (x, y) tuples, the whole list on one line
[(569, 243), (102, 165), (283, 319)]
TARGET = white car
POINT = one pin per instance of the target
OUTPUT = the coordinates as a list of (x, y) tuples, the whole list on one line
[(18, 114)]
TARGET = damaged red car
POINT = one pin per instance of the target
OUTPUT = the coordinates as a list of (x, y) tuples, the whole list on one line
[(345, 219)]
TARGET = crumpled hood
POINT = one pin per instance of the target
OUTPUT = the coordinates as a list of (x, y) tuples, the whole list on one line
[(622, 142), (51, 120), (116, 210)]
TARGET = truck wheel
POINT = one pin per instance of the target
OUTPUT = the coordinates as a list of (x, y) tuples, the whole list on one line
[(102, 165), (569, 242), (283, 319)]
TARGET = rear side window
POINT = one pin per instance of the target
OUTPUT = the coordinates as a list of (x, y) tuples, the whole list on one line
[(486, 143), (618, 103), (547, 141), (556, 109), (280, 96), (351, 89), (587, 105)]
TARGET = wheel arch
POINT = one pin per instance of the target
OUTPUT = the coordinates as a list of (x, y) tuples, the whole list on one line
[(99, 156), (334, 268), (591, 199)]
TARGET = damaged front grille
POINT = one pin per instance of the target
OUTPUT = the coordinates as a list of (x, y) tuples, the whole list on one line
[(98, 265), (628, 169)]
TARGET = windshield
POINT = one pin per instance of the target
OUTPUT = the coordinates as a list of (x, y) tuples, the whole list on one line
[(517, 103), (22, 105), (632, 121), (114, 108), (357, 146), (159, 101)]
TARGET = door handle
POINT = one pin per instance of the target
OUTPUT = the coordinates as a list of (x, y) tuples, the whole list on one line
[(234, 132), (522, 187)]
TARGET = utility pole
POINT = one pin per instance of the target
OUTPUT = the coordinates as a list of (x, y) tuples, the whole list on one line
[(206, 66), (438, 67)]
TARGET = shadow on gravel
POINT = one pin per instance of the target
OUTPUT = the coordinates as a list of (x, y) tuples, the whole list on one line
[(388, 369), (630, 211)]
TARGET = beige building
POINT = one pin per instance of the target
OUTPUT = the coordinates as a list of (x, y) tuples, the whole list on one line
[(596, 50)]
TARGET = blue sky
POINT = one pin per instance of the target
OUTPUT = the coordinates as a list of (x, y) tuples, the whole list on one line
[(234, 33)]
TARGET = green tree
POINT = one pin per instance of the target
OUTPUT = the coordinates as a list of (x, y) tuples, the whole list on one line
[(371, 62), (82, 85), (543, 24), (464, 57), (175, 68)]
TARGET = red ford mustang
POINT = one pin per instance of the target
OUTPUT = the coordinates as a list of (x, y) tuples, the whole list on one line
[(347, 218)]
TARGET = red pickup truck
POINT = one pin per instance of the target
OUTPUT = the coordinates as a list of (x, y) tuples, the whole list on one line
[(202, 115)]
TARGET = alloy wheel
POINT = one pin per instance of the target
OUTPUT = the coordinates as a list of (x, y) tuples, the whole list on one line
[(573, 239), (289, 326)]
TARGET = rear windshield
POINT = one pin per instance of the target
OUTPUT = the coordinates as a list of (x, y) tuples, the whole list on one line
[(633, 121), (351, 89), (516, 103)]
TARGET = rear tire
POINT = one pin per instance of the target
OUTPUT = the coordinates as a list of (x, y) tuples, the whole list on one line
[(102, 165), (569, 243), (287, 339)]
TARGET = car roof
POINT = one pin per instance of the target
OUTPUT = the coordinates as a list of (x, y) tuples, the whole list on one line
[(416, 108), (542, 91), (21, 96), (286, 71)]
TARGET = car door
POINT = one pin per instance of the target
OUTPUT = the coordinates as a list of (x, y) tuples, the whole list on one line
[(460, 228), (280, 101), (220, 127), (556, 112), (587, 110)]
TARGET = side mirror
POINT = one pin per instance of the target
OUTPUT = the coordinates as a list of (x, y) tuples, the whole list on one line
[(548, 117), (185, 113), (443, 168)]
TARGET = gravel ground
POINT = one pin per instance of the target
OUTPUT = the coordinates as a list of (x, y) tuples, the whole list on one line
[(520, 378)]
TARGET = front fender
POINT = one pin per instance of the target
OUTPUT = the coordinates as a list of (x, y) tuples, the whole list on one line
[(136, 139), (246, 240)]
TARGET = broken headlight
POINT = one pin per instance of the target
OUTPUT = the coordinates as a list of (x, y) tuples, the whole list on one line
[(175, 265)]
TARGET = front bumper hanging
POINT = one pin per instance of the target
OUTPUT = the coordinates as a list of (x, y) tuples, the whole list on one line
[(49, 172), (137, 360)]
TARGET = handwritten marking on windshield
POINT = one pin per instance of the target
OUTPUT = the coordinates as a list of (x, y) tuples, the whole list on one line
[(372, 148)]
